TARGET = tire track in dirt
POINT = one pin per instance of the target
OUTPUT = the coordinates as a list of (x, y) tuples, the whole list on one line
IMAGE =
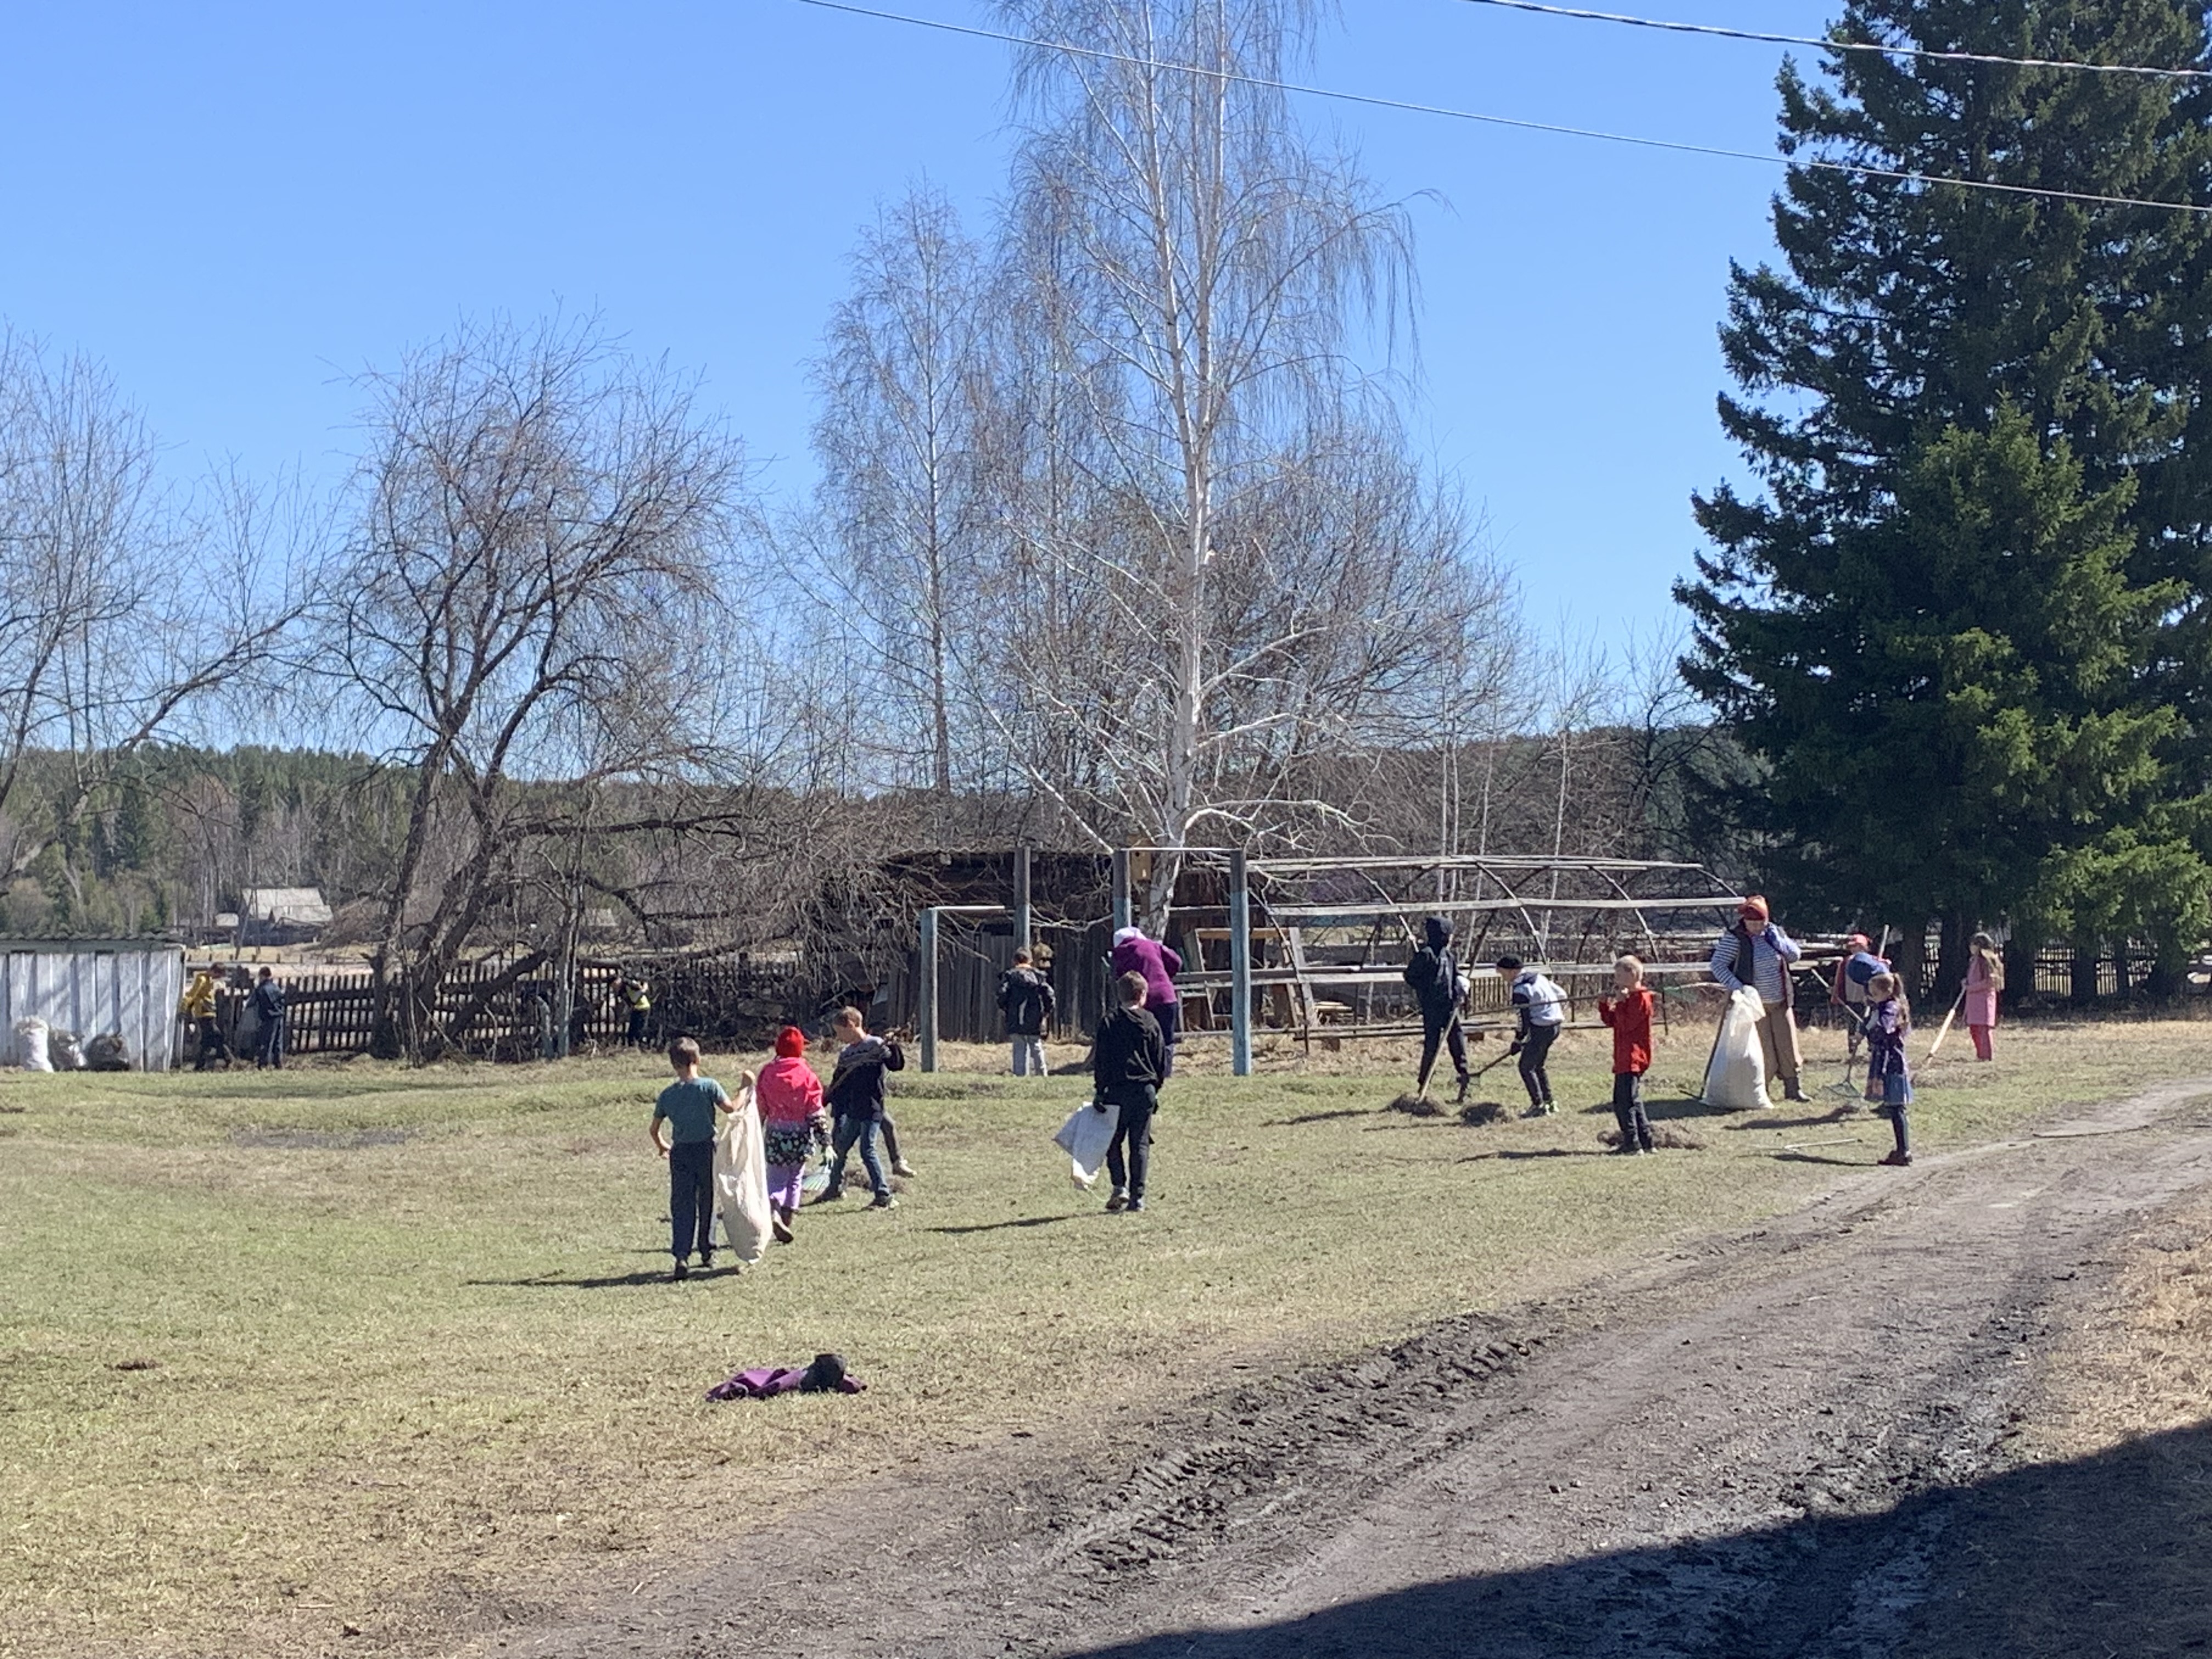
[(1742, 1448)]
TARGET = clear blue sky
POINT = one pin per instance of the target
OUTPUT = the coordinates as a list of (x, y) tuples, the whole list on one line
[(238, 205)]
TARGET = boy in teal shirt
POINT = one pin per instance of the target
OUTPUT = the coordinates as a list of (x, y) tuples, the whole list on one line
[(692, 1106)]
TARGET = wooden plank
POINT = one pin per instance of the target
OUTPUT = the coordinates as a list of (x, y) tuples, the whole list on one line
[(1295, 947)]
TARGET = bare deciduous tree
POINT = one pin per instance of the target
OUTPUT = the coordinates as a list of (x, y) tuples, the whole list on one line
[(527, 613), (1255, 568), (124, 604), (901, 385)]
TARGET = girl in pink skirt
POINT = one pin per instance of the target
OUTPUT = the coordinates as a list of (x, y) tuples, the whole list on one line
[(1984, 979), (793, 1123)]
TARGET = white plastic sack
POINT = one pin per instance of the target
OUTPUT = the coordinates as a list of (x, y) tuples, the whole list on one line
[(1084, 1137), (1735, 1079), (31, 1044), (741, 1180)]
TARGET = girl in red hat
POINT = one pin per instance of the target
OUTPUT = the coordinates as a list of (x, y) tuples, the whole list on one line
[(793, 1124)]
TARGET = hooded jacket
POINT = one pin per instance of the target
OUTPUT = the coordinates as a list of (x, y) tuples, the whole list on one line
[(1135, 954), (1127, 1051), (857, 1088), (788, 1091), (1026, 1000), (1434, 971), (1629, 1014)]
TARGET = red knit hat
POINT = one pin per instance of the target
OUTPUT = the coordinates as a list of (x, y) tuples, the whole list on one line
[(1753, 909), (790, 1043)]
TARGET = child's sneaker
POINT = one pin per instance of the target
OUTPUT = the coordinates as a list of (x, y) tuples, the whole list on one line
[(1542, 1109), (1120, 1200), (682, 1269), (1898, 1160), (1136, 1207), (903, 1168), (780, 1228), (830, 1195), (884, 1201)]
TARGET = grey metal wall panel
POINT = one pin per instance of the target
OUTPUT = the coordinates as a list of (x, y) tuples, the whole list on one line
[(88, 992)]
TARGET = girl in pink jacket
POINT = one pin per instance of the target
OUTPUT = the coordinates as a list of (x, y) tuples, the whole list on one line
[(793, 1123), (1984, 979)]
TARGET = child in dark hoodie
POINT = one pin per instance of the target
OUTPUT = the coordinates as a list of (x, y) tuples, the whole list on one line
[(856, 1096), (1434, 974), (1128, 1063)]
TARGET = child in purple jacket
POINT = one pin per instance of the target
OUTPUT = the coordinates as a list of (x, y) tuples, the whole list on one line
[(1885, 1022)]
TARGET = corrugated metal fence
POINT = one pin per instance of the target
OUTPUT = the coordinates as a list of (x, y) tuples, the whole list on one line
[(95, 988)]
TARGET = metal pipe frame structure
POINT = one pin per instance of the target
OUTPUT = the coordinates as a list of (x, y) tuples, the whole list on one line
[(1510, 877)]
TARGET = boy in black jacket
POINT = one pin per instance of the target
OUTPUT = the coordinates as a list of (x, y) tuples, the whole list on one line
[(1128, 1058), (1026, 1000), (855, 1099)]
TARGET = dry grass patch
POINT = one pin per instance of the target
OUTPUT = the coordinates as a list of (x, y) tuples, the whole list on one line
[(403, 1347), (2143, 1366)]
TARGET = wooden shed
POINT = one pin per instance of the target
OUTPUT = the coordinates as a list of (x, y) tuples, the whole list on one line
[(94, 986)]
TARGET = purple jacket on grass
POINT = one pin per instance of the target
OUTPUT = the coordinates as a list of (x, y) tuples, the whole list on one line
[(764, 1382)]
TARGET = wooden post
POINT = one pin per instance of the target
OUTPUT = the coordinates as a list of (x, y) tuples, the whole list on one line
[(1023, 939), (1122, 906), (1240, 967), (927, 1014)]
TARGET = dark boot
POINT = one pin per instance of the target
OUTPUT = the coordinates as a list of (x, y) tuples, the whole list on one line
[(1631, 1143), (1644, 1129), (1466, 1080)]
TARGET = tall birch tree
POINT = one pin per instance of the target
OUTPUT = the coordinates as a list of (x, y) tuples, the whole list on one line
[(1206, 265)]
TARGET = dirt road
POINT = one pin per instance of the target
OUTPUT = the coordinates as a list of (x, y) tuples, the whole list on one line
[(1796, 1442)]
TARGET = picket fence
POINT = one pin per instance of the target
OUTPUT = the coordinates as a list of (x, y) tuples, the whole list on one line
[(333, 1010)]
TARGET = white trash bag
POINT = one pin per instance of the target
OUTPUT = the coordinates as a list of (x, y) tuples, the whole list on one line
[(1084, 1137), (1735, 1080), (741, 1180), (31, 1044)]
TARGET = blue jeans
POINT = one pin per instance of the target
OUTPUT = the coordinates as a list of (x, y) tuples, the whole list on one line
[(851, 1132), (1029, 1055), (690, 1198)]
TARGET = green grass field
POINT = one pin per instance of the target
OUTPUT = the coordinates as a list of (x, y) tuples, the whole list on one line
[(359, 1345)]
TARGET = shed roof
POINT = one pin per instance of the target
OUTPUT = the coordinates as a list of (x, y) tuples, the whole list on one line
[(304, 905)]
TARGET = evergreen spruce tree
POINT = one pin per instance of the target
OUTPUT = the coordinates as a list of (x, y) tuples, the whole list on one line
[(1958, 623)]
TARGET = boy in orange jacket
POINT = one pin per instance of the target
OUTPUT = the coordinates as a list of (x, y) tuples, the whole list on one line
[(1629, 1014)]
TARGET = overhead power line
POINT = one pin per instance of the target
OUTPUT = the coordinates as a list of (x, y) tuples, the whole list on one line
[(1817, 163), (1825, 44)]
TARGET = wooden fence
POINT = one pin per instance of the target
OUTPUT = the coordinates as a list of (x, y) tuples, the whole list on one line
[(740, 999), (969, 962)]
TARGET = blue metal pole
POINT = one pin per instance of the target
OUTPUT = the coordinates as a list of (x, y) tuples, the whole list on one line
[(1240, 967)]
